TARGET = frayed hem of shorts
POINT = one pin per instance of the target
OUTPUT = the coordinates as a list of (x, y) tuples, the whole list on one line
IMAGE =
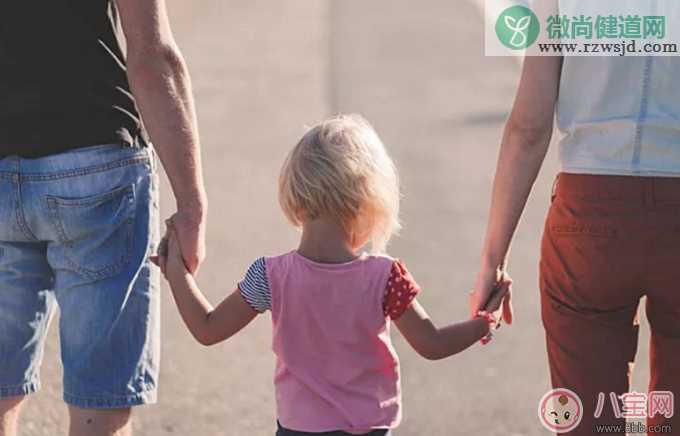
[(141, 399), (19, 390)]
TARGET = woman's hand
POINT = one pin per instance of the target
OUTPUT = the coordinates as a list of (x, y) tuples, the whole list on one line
[(489, 284)]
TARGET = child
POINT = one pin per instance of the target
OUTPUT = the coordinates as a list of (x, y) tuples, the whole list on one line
[(331, 305)]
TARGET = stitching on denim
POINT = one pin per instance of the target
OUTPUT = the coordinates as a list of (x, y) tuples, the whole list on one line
[(20, 216), (53, 204), (11, 177), (77, 172), (19, 386), (132, 401), (143, 391), (22, 389), (642, 116), (91, 201)]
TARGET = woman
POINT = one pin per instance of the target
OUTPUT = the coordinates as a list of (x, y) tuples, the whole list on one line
[(613, 230)]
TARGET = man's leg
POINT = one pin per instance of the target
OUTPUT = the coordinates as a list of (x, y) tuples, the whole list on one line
[(88, 422), (105, 227), (25, 312), (9, 415)]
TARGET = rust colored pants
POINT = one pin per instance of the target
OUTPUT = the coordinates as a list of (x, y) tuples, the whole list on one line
[(608, 241)]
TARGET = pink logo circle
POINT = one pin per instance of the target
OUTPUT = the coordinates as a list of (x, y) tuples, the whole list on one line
[(560, 410)]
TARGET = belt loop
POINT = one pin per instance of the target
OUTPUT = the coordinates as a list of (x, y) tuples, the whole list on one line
[(553, 193), (153, 157)]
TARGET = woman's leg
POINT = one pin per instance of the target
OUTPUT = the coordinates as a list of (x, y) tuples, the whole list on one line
[(591, 282), (664, 319), (592, 354), (663, 307)]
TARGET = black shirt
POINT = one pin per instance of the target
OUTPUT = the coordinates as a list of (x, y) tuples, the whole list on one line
[(63, 83)]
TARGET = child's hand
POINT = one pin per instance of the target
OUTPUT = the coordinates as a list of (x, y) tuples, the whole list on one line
[(159, 259), (492, 311), (174, 262), (499, 302), (487, 284)]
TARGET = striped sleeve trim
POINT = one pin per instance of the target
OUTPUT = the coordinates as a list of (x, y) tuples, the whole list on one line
[(255, 287)]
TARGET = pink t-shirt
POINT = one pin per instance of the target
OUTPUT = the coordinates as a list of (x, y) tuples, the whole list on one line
[(336, 368)]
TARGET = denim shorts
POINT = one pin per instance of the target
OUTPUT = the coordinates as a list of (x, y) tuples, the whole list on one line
[(76, 231)]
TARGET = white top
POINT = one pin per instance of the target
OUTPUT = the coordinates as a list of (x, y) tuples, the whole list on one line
[(620, 116)]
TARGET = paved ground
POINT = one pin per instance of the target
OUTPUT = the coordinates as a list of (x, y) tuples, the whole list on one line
[(262, 70)]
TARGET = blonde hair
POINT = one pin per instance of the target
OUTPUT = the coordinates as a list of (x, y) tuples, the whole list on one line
[(340, 168)]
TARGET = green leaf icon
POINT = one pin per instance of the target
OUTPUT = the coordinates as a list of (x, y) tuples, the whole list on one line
[(517, 27)]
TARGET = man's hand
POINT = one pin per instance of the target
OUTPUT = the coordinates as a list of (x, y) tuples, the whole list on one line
[(189, 229)]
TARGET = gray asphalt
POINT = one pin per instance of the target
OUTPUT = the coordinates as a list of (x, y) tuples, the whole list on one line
[(262, 70)]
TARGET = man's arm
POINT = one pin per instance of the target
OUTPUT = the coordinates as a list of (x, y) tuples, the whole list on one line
[(160, 82)]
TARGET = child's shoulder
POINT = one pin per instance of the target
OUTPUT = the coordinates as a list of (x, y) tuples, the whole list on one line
[(293, 258), (268, 260), (386, 259), (396, 267), (381, 258)]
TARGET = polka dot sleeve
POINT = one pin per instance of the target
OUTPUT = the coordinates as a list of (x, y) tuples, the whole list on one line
[(401, 291)]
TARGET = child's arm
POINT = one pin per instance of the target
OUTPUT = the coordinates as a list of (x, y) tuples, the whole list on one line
[(436, 343), (209, 326)]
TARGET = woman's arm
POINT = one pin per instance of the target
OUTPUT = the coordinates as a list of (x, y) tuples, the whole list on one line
[(523, 148), (209, 326)]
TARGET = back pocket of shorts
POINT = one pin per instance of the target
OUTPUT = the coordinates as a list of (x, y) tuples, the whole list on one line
[(95, 234)]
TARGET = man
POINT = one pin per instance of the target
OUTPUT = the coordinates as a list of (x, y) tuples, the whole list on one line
[(78, 199)]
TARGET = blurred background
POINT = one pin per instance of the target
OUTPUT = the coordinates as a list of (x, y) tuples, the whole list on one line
[(264, 69)]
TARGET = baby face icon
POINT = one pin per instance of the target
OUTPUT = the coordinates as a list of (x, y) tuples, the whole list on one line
[(560, 410)]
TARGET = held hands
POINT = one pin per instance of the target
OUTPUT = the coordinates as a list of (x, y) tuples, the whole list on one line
[(491, 298), (189, 230), (170, 258)]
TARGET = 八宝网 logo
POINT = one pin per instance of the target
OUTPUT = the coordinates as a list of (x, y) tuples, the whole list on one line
[(560, 410)]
